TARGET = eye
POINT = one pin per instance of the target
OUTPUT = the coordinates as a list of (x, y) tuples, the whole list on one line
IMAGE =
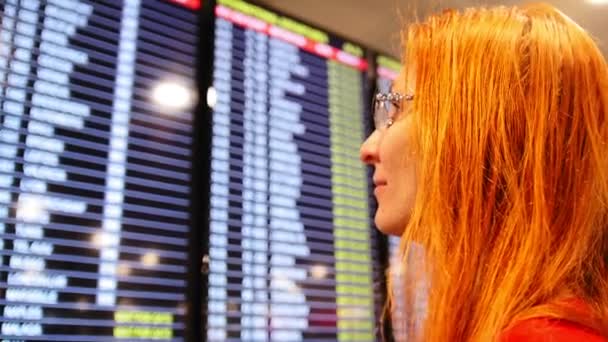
[(387, 106), (393, 108), (396, 105)]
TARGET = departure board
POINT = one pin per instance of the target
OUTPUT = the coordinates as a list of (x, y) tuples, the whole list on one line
[(96, 117), (290, 246)]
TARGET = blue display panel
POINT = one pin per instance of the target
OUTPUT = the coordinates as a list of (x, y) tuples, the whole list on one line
[(291, 249), (96, 120)]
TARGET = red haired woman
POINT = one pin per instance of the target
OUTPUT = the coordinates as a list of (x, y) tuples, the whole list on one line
[(491, 152)]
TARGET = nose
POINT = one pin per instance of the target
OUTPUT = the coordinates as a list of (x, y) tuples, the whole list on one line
[(369, 149)]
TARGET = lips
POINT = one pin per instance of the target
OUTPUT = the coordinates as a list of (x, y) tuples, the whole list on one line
[(379, 182), (379, 185)]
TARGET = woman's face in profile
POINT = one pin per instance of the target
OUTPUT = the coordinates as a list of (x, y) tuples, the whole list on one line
[(390, 152)]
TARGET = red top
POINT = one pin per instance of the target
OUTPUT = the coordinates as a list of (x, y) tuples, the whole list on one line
[(549, 330)]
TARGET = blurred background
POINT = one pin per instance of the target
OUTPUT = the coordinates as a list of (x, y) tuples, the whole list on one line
[(377, 23), (188, 170)]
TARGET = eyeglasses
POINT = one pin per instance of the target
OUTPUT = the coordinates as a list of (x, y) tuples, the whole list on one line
[(386, 107)]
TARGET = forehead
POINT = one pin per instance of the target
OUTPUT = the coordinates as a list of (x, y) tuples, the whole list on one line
[(399, 83), (404, 83)]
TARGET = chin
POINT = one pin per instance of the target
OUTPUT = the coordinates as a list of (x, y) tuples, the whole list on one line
[(392, 232), (387, 227), (392, 222)]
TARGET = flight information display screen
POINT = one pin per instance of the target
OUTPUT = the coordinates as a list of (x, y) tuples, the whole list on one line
[(290, 243), (96, 112), (387, 70)]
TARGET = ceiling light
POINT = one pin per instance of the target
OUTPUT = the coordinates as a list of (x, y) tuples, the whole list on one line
[(211, 97), (173, 95)]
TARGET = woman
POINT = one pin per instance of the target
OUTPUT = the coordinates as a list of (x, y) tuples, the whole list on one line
[(492, 154)]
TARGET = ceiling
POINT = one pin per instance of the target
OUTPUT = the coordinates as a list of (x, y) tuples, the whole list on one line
[(376, 23)]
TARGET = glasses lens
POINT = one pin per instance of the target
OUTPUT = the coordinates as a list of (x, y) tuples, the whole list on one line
[(382, 109), (378, 113)]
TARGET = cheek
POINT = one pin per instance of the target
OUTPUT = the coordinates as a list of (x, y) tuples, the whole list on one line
[(397, 155), (404, 183), (399, 162)]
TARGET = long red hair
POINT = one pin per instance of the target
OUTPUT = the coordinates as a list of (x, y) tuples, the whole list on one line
[(510, 117)]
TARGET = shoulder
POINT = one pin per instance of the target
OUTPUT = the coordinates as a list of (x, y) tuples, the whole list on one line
[(549, 330)]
